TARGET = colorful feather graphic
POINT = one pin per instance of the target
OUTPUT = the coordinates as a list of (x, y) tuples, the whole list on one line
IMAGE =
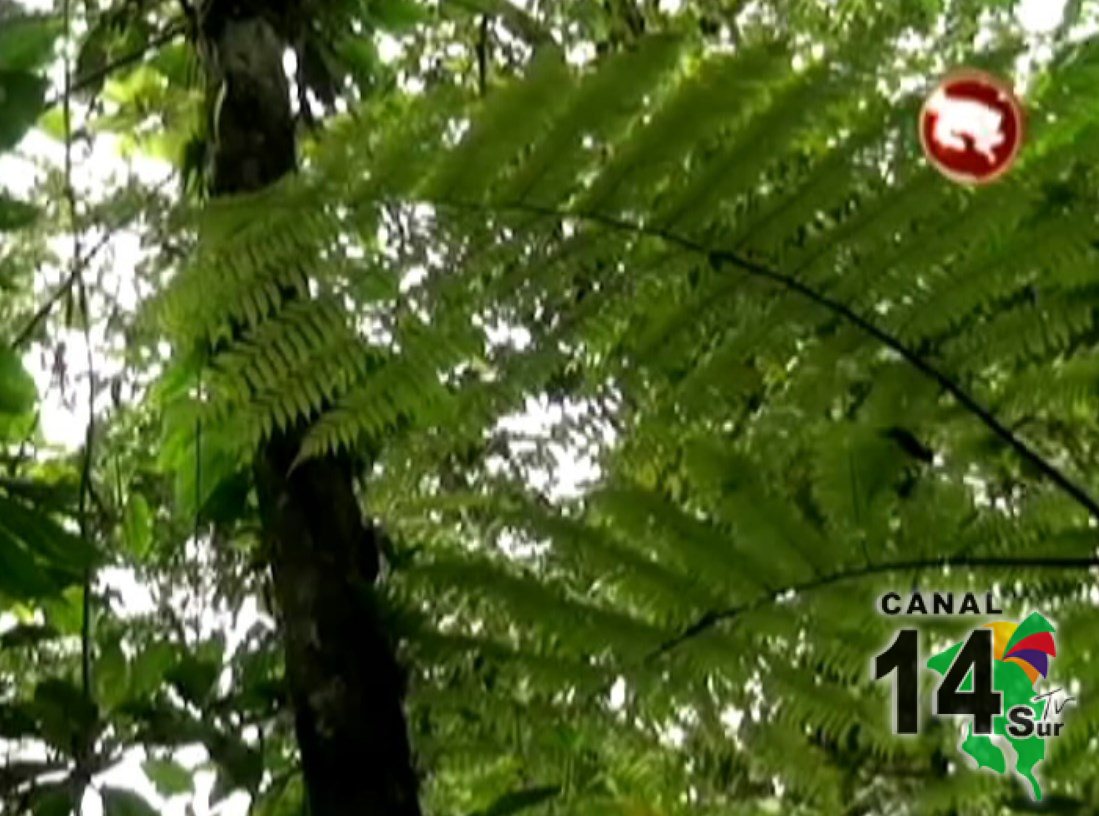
[(1029, 644)]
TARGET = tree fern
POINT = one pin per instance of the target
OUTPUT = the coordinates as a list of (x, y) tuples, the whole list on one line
[(817, 344)]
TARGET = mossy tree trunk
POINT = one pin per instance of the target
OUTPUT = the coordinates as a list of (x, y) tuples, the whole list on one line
[(345, 683)]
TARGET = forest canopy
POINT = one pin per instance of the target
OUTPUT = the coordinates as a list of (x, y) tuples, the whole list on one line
[(475, 407)]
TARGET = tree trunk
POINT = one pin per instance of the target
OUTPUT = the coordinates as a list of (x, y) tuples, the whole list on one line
[(345, 683)]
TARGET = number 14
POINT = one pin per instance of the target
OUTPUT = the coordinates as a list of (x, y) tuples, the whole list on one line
[(982, 703)]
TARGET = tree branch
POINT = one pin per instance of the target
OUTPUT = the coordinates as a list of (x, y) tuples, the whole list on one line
[(92, 78), (81, 776), (62, 289), (518, 21), (969, 402), (720, 258), (713, 617)]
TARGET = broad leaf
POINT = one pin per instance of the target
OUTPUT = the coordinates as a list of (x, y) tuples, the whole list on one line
[(26, 43), (137, 529), (22, 576), (149, 668), (240, 765), (194, 677), (281, 799), (122, 802), (21, 98), (17, 390), (26, 634), (18, 721), (66, 716), (15, 214), (111, 675), (518, 801), (398, 15), (52, 800), (169, 777), (66, 553), (65, 612)]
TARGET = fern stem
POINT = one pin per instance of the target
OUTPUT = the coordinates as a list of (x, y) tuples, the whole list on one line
[(719, 258), (964, 398), (713, 617)]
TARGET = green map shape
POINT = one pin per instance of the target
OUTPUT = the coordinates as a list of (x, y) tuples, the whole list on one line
[(1010, 680)]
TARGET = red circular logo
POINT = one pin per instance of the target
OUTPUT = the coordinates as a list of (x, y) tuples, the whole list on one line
[(971, 127)]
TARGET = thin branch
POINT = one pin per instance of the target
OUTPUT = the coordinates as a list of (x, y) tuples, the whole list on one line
[(518, 21), (719, 258), (482, 55), (43, 312), (198, 464), (964, 398), (712, 618), (82, 774), (66, 285), (62, 289), (92, 78)]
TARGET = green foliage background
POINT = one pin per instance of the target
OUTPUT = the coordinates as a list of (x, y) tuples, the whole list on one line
[(805, 368)]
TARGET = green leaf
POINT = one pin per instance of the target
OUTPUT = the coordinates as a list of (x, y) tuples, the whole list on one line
[(52, 800), (166, 725), (360, 56), (176, 62), (15, 214), (149, 667), (26, 634), (66, 716), (194, 677), (241, 766), (26, 43), (16, 427), (196, 486), (18, 721), (18, 393), (169, 776), (139, 87), (137, 526), (398, 15), (228, 501), (22, 577), (56, 491), (21, 98), (856, 466), (52, 123), (517, 801), (65, 553), (111, 676), (122, 802), (281, 800), (65, 612), (92, 57)]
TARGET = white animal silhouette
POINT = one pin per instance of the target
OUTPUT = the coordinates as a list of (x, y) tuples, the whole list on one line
[(956, 118)]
